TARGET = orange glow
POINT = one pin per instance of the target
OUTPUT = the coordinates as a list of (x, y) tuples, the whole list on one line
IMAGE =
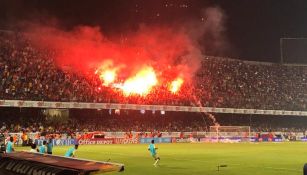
[(107, 73), (141, 83), (108, 77), (175, 85)]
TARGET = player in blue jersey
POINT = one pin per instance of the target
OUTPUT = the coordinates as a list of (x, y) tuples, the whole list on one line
[(10, 145), (42, 148), (71, 151), (153, 151)]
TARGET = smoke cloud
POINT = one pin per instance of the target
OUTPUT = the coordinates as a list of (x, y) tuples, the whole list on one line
[(174, 50)]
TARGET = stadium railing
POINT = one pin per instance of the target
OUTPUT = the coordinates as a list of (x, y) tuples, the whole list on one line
[(77, 105)]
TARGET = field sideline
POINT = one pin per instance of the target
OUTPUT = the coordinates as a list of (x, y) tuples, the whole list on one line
[(190, 159)]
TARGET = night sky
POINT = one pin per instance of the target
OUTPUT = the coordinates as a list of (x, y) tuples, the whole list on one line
[(253, 27)]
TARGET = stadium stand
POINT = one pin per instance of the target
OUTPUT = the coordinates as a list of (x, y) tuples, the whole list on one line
[(32, 120), (29, 74)]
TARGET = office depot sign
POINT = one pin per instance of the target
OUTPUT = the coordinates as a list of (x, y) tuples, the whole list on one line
[(96, 141)]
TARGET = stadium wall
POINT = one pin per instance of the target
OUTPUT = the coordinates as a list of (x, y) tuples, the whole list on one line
[(77, 105), (185, 137)]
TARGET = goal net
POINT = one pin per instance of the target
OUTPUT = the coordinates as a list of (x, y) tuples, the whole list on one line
[(230, 133)]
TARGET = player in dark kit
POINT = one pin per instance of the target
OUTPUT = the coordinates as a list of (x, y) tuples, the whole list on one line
[(49, 146)]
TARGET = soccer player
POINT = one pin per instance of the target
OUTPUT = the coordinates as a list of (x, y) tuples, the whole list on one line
[(153, 151), (71, 151), (42, 148), (49, 146), (10, 145)]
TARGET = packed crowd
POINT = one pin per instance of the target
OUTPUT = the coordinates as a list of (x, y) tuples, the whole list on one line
[(30, 74), (238, 84), (82, 122), (14, 121)]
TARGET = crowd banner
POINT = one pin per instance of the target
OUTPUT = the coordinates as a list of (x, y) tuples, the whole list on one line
[(64, 142), (126, 141), (95, 141), (181, 140), (57, 142), (157, 140), (114, 134), (106, 141), (170, 134), (165, 137), (70, 105)]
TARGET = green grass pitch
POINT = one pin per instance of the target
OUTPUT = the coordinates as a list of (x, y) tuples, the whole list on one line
[(202, 158)]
